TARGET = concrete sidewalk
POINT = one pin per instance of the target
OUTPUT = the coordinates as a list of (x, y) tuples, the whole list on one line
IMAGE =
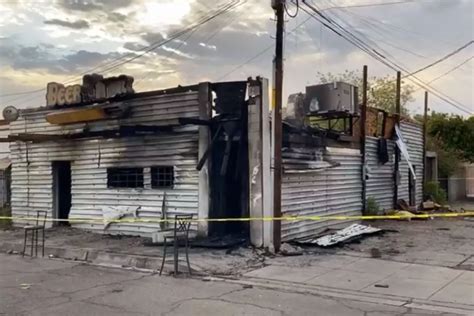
[(435, 288), (337, 273), (131, 252)]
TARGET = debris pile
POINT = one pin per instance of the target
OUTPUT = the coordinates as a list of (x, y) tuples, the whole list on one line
[(350, 233)]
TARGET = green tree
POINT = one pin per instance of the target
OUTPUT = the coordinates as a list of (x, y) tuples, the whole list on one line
[(452, 138), (381, 91), (454, 133)]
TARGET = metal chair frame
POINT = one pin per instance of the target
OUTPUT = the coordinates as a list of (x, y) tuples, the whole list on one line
[(40, 224), (182, 224)]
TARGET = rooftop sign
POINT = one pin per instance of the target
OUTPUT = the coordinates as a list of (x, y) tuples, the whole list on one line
[(94, 88)]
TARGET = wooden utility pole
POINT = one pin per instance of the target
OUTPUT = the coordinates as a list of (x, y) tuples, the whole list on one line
[(396, 175), (425, 121), (363, 119), (278, 6)]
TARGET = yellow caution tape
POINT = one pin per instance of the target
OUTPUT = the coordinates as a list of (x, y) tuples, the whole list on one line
[(245, 219)]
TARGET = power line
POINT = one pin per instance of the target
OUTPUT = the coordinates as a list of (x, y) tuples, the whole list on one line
[(371, 4), (221, 11), (450, 70), (245, 63), (399, 28), (372, 26), (297, 4), (117, 62), (347, 35), (294, 29), (259, 53), (113, 63), (219, 28), (141, 80), (441, 59), (418, 80)]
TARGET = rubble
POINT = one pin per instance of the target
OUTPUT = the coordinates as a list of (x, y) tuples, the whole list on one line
[(289, 250), (341, 236)]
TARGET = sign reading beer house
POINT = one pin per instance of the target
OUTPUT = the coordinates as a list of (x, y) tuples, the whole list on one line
[(94, 88), (58, 94)]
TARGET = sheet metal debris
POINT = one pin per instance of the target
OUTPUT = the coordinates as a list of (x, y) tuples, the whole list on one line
[(343, 235)]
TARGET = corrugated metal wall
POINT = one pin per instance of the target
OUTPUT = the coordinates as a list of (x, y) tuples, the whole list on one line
[(413, 136), (32, 182), (333, 191), (380, 184), (4, 147)]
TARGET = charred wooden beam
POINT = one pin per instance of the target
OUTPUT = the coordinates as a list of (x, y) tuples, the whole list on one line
[(122, 131), (194, 121), (135, 129)]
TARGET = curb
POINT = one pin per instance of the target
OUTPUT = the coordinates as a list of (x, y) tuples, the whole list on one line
[(95, 257), (302, 288)]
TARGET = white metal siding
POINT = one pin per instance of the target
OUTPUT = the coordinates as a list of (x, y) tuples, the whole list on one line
[(380, 184), (4, 147), (334, 191), (32, 184), (413, 136)]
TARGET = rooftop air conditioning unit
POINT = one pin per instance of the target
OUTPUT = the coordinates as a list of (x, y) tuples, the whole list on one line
[(332, 97)]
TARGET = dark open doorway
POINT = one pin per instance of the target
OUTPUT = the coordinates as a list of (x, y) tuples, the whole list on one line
[(412, 187), (229, 160), (61, 190)]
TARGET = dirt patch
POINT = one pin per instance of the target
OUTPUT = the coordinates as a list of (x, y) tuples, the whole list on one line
[(441, 242)]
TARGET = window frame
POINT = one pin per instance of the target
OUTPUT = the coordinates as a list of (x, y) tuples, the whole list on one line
[(167, 176), (139, 181)]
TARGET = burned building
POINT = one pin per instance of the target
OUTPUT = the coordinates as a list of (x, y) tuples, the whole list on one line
[(101, 157), (101, 152)]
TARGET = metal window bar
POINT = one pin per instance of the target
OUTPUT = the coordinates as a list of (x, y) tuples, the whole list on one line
[(162, 177), (125, 177)]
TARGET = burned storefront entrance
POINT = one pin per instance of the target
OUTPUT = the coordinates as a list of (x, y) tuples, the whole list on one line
[(228, 152), (190, 151)]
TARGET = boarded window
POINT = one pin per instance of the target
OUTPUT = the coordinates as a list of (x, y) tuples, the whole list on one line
[(125, 177), (162, 177)]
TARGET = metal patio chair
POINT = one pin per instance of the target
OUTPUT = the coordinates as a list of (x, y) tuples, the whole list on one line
[(39, 225), (180, 232)]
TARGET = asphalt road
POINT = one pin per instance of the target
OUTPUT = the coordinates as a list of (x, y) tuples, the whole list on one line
[(52, 287)]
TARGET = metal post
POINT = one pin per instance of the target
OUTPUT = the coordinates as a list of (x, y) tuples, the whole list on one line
[(425, 121), (363, 118), (397, 151), (278, 6)]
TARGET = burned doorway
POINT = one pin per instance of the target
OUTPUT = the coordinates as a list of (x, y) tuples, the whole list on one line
[(61, 190), (412, 187), (229, 177)]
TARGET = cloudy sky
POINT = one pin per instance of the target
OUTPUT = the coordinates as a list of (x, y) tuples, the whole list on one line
[(43, 41)]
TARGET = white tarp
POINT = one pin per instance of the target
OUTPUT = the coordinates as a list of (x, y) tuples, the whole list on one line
[(404, 150)]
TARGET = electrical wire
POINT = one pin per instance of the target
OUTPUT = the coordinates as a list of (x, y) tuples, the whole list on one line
[(141, 80), (132, 56), (456, 51), (399, 29), (372, 26), (372, 4), (449, 71), (117, 62), (415, 79), (297, 9), (347, 35), (259, 53)]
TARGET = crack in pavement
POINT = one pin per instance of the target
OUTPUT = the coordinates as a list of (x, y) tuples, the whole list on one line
[(68, 295), (364, 312), (117, 308), (218, 298)]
